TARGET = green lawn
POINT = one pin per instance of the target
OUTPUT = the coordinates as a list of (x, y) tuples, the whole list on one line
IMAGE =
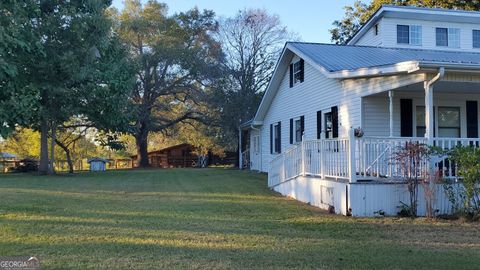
[(208, 219)]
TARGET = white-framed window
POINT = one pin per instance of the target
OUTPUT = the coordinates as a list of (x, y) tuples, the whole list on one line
[(276, 138), (409, 34), (420, 117), (447, 37), (446, 119), (415, 35), (256, 144), (328, 125), (297, 72), (376, 30), (297, 123), (476, 38), (449, 122)]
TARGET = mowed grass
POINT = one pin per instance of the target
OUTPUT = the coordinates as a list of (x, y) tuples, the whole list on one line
[(208, 219)]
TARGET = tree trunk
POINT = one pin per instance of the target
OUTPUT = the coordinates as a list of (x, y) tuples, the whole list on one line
[(51, 168), (141, 140), (43, 168), (67, 154)]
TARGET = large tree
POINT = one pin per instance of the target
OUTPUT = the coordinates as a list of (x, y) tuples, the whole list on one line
[(17, 41), (360, 12), (252, 41), (176, 59), (71, 65)]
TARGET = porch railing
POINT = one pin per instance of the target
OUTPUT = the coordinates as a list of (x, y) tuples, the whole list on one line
[(366, 158)]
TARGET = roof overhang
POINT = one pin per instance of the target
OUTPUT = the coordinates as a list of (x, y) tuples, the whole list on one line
[(410, 12), (407, 67)]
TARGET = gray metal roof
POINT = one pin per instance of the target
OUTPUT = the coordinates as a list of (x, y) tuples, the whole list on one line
[(97, 159), (7, 155), (347, 57), (455, 11)]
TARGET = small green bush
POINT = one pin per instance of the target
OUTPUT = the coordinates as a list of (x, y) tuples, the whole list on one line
[(467, 159)]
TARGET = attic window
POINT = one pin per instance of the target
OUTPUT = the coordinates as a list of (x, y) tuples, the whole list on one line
[(447, 37), (476, 38), (296, 72), (409, 34), (376, 29)]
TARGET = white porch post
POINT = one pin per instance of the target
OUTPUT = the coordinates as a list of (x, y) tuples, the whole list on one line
[(428, 85), (303, 154), (352, 165), (390, 107), (429, 112), (240, 161)]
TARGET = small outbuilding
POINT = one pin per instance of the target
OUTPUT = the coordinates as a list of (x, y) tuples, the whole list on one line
[(7, 161), (97, 164)]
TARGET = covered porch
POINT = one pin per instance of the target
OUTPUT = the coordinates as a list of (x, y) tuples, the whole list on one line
[(441, 111), (437, 109)]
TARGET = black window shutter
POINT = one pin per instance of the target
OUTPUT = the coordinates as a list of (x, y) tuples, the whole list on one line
[(302, 70), (319, 124), (335, 122), (472, 119), (271, 138), (302, 125), (291, 130), (291, 75), (406, 118), (279, 137)]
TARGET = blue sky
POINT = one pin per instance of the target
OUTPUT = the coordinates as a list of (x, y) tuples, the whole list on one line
[(311, 19)]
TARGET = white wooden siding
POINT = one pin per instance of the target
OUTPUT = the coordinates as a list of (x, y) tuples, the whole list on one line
[(317, 192), (370, 39), (389, 33), (316, 93), (364, 199), (356, 101), (376, 114)]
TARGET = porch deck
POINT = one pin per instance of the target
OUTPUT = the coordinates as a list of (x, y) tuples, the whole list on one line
[(352, 159)]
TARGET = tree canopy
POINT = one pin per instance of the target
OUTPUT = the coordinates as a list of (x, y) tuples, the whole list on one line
[(252, 41), (175, 57), (360, 12)]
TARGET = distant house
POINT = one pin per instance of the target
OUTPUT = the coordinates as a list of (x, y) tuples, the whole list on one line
[(97, 164), (409, 74)]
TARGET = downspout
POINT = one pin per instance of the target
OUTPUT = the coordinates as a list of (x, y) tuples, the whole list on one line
[(439, 76), (429, 103)]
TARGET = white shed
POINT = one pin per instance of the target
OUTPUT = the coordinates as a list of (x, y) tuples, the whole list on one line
[(97, 164)]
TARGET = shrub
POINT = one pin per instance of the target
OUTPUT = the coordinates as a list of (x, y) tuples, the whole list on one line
[(467, 159), (413, 158)]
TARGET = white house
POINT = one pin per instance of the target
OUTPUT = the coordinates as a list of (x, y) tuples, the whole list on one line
[(408, 74)]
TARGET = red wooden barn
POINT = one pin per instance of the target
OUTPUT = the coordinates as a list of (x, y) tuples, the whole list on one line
[(177, 156)]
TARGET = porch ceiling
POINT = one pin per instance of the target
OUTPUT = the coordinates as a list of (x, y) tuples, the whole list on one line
[(439, 87)]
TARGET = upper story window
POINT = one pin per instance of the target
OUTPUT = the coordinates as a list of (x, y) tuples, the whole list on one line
[(476, 38), (448, 37), (409, 34), (376, 29), (297, 71)]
